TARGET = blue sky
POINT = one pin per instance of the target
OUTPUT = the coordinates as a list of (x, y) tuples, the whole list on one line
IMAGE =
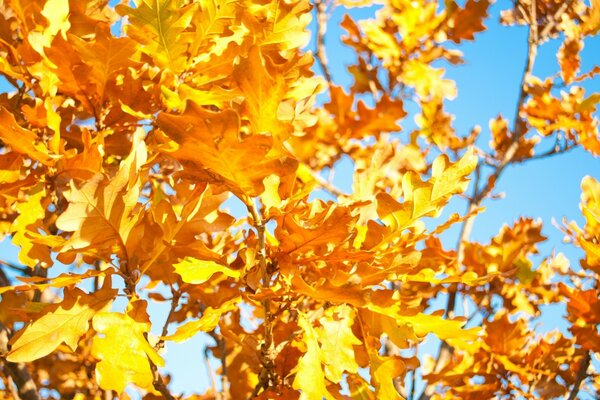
[(488, 85)]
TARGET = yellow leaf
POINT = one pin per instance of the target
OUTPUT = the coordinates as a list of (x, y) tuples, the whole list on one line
[(196, 271), (64, 322), (40, 283), (337, 339), (310, 379), (100, 213), (426, 199), (263, 92), (383, 372), (57, 14), (449, 180), (29, 222), (422, 324), (208, 322), (123, 351), (158, 26)]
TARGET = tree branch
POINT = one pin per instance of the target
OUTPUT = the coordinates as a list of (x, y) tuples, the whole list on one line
[(328, 186), (554, 19), (321, 55), (581, 375), (268, 376)]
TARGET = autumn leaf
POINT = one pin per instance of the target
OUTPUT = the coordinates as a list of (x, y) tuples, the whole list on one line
[(384, 370), (123, 351), (210, 146), (22, 140), (263, 92), (337, 339), (426, 198), (158, 25), (100, 213), (209, 321), (310, 379), (64, 322), (465, 22), (196, 271)]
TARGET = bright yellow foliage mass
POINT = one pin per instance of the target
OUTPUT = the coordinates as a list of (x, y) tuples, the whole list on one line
[(176, 155)]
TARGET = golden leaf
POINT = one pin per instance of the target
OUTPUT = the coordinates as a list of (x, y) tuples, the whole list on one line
[(196, 271), (64, 322), (123, 350), (310, 378), (211, 146)]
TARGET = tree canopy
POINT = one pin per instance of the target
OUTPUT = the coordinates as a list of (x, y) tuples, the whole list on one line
[(131, 127)]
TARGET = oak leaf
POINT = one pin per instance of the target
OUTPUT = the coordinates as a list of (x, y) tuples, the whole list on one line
[(123, 350), (64, 322), (211, 145)]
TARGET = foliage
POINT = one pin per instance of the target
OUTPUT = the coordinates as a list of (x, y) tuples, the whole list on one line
[(119, 152)]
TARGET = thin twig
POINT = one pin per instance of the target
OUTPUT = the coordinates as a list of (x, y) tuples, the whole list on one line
[(209, 369), (22, 270), (174, 303), (159, 384), (328, 186), (581, 375), (321, 54), (554, 19)]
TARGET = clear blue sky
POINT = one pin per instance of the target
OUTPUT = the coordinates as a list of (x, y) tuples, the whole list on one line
[(488, 84)]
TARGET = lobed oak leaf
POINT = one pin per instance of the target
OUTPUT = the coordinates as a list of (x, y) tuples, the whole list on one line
[(569, 59), (463, 23), (451, 179), (64, 322), (423, 199), (211, 146), (123, 350), (214, 19), (384, 369), (263, 91), (208, 322), (159, 25), (106, 57), (337, 339), (422, 324), (100, 213), (22, 140), (321, 225), (196, 272), (56, 13), (28, 225), (62, 280), (282, 26), (310, 379)]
